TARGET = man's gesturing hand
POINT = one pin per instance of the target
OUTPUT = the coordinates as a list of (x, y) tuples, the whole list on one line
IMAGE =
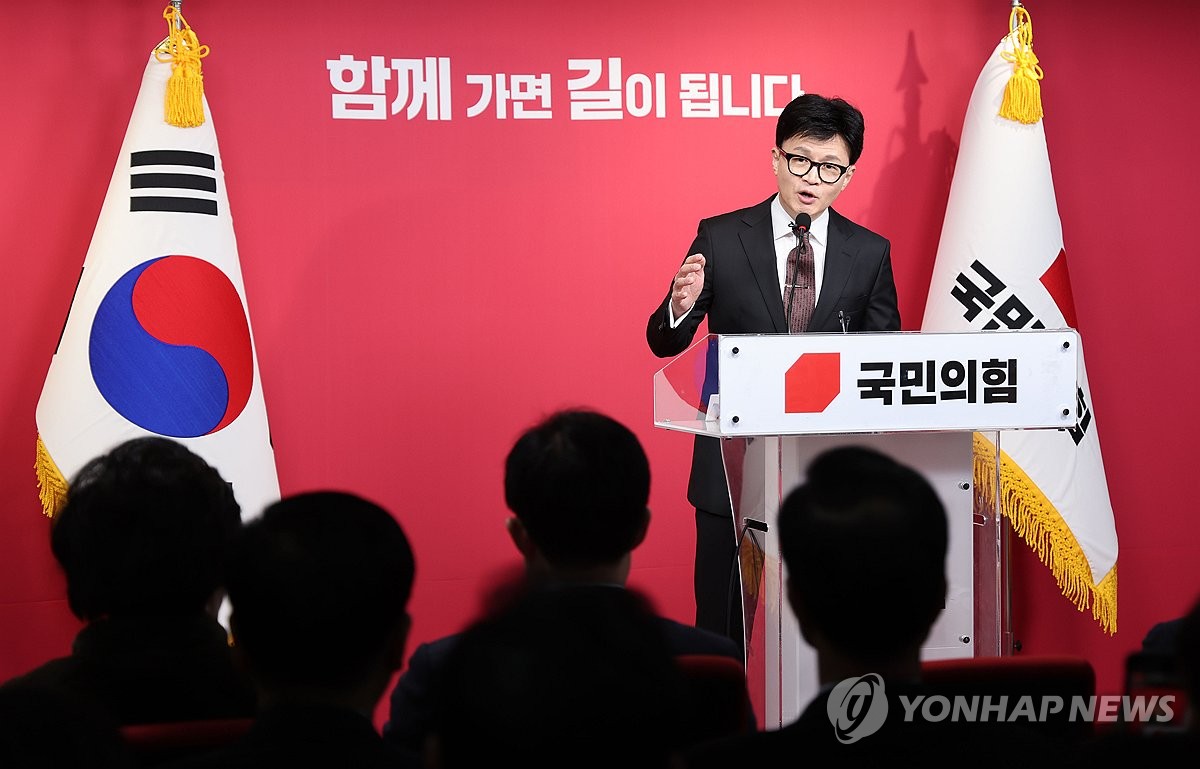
[(688, 282)]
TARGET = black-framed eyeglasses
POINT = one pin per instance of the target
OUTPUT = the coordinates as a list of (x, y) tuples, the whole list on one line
[(826, 171)]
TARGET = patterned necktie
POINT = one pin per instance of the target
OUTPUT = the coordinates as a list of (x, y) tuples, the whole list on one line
[(799, 292)]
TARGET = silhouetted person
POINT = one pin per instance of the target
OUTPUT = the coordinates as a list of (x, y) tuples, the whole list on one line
[(577, 484), (563, 678), (864, 541), (1187, 653), (1167, 665), (1162, 638), (319, 587), (142, 542)]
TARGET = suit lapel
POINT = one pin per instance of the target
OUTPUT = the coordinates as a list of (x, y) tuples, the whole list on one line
[(758, 241), (839, 259)]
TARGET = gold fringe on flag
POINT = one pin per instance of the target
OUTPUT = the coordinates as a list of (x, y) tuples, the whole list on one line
[(52, 486), (185, 89), (1036, 520), (1023, 95)]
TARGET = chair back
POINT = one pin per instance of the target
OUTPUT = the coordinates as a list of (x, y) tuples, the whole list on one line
[(1037, 677), (157, 743), (716, 696)]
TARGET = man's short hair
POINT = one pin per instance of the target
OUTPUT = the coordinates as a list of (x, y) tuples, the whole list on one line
[(318, 584), (864, 540), (817, 117), (144, 531), (579, 482)]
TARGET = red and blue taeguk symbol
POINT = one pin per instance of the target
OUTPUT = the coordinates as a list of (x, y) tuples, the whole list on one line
[(170, 347)]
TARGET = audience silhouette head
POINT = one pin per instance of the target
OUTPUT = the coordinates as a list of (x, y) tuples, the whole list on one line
[(143, 540), (577, 483), (144, 532), (864, 540), (319, 586)]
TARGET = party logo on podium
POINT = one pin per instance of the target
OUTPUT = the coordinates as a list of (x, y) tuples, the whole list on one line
[(812, 382)]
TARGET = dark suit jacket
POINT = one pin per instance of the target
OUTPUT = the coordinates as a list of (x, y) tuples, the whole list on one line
[(151, 670), (741, 295), (409, 720)]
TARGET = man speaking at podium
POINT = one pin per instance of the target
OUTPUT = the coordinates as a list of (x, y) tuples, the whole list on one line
[(790, 264)]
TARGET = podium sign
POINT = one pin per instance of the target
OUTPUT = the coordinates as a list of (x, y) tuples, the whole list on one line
[(776, 401), (811, 384)]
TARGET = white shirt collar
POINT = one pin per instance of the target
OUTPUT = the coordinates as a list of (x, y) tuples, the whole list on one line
[(781, 224)]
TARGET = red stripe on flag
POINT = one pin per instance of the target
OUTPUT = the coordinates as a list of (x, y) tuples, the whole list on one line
[(1058, 282)]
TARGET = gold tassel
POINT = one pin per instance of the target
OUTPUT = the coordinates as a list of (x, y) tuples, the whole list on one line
[(1104, 608), (185, 89), (52, 486), (1035, 519), (1023, 94)]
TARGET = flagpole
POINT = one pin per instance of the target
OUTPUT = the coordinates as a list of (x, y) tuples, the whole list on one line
[(178, 6), (1013, 20), (1008, 644)]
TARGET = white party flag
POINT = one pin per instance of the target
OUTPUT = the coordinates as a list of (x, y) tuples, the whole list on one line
[(1001, 265)]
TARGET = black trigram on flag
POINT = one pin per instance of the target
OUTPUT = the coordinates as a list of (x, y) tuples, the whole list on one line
[(187, 172), (1085, 417)]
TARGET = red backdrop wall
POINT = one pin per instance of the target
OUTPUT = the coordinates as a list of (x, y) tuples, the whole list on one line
[(422, 290)]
